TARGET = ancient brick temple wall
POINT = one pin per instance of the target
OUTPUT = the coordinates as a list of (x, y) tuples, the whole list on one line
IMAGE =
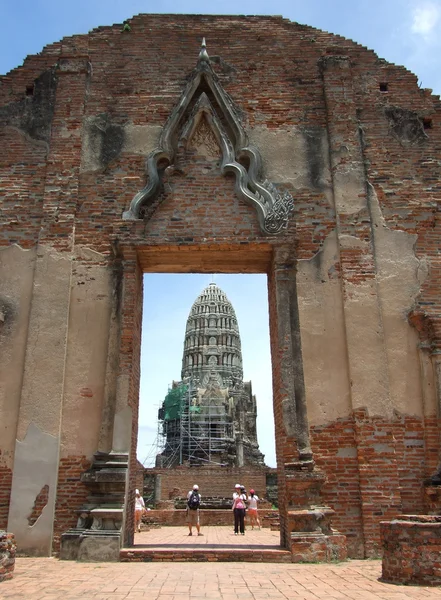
[(5, 492), (411, 550), (211, 481), (351, 137), (70, 494), (178, 517)]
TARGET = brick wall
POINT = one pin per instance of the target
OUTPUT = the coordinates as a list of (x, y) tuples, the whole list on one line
[(71, 495), (411, 550), (5, 493), (351, 466), (211, 482), (322, 86), (178, 518)]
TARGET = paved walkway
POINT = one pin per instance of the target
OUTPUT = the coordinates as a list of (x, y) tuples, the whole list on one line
[(213, 536), (51, 579), (217, 543)]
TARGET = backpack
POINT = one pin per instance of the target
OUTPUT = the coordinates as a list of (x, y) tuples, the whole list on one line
[(193, 502)]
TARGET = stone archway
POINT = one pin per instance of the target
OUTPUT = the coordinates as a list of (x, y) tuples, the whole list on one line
[(299, 483)]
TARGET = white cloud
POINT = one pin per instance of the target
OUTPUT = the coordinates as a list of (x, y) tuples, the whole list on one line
[(425, 18)]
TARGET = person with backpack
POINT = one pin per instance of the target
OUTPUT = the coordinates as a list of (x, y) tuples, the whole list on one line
[(193, 503), (239, 507)]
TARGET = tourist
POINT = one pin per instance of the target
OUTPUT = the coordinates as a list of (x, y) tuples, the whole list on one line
[(193, 503), (252, 509), (239, 507), (236, 490), (139, 510), (235, 494)]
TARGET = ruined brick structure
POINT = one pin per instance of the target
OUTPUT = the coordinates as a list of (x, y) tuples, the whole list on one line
[(209, 417), (278, 149)]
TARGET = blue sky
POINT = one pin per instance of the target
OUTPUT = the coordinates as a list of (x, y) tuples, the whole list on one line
[(404, 32), (167, 304)]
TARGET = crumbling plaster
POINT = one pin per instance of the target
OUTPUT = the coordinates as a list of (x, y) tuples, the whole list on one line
[(35, 457), (86, 354), (16, 276), (297, 156), (323, 336), (99, 134), (44, 371), (399, 276)]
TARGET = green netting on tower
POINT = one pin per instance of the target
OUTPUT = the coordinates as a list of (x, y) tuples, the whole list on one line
[(174, 403)]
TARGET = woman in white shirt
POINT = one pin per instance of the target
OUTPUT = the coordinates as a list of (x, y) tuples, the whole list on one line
[(139, 510), (252, 509)]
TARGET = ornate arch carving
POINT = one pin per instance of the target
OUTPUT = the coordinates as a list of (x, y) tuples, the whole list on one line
[(209, 100)]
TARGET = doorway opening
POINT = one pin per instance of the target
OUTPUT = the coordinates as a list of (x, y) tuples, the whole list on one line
[(168, 299), (186, 430)]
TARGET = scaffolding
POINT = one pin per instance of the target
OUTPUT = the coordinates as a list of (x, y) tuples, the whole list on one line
[(194, 431)]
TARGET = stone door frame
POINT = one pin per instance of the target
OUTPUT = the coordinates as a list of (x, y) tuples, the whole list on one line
[(120, 423)]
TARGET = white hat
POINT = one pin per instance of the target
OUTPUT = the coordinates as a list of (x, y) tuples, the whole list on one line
[(136, 491), (195, 487), (237, 485)]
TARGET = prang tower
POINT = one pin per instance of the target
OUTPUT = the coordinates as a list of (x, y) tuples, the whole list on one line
[(209, 417)]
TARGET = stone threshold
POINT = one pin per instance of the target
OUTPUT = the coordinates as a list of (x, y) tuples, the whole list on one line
[(213, 554)]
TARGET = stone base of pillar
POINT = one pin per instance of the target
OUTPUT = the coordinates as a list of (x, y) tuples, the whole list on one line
[(412, 550), (7, 555), (90, 546), (312, 539), (307, 524), (98, 534)]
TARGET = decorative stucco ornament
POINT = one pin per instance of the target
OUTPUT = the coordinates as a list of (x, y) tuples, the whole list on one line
[(211, 102)]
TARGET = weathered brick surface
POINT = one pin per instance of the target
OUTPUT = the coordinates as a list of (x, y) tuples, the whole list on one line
[(7, 555), (207, 517), (355, 465), (211, 481), (71, 494), (321, 85), (39, 504), (412, 550), (5, 493)]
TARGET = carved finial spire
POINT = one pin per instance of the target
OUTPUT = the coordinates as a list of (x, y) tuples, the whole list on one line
[(203, 54)]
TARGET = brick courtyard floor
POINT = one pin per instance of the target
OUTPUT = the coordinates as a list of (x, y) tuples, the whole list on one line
[(215, 543), (213, 536), (51, 579)]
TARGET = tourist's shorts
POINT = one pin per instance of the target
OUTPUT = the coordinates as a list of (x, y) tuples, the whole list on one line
[(252, 512), (193, 516)]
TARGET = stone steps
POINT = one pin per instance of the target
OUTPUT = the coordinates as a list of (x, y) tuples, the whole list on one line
[(212, 554)]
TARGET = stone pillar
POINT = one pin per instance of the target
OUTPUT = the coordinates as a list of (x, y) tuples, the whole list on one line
[(34, 484), (239, 450), (433, 484), (304, 524), (364, 324), (436, 362), (16, 276), (158, 489), (291, 385)]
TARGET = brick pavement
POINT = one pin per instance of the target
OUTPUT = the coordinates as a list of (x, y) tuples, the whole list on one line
[(213, 535), (51, 579), (216, 543)]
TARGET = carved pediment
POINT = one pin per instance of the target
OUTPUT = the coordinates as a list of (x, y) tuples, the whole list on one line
[(205, 120)]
